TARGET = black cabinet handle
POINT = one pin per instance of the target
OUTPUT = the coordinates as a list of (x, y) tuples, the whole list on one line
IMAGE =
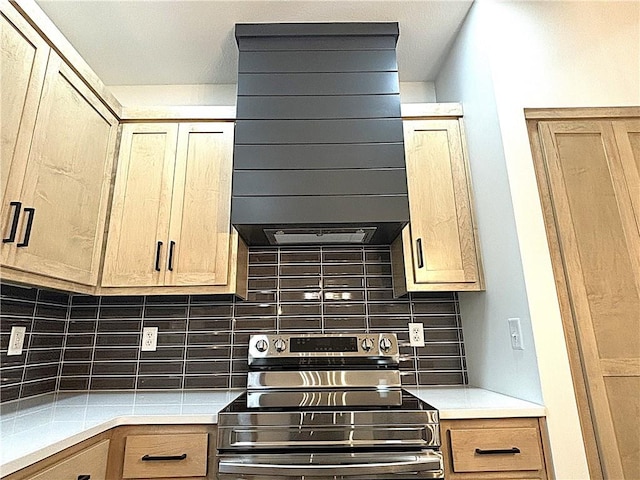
[(31, 212), (149, 458), (419, 249), (14, 223), (84, 477), (172, 245), (498, 451), (158, 248)]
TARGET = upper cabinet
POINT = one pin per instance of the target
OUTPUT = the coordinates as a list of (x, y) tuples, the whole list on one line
[(57, 159), (438, 250), (170, 221)]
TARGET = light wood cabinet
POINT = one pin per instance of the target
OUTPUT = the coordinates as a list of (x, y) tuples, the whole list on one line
[(58, 164), (162, 451), (170, 221), (482, 449), (438, 250), (86, 460), (587, 167)]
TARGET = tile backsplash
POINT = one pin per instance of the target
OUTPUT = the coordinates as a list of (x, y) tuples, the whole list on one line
[(83, 342)]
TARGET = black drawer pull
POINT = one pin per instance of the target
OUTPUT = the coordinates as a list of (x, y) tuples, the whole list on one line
[(172, 245), (84, 477), (419, 249), (31, 212), (14, 223), (498, 451), (159, 458), (158, 247)]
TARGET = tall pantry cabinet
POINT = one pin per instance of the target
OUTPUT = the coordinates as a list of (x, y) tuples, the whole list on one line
[(588, 169)]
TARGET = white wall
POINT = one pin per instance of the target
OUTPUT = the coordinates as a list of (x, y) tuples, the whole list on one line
[(225, 95), (537, 54)]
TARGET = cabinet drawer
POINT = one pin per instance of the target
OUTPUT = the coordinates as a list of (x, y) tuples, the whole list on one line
[(92, 461), (496, 449), (143, 456)]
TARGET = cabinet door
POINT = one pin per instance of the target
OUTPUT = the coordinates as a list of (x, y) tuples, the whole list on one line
[(599, 277), (22, 67), (139, 224), (441, 229), (92, 462), (627, 133), (201, 206), (67, 181)]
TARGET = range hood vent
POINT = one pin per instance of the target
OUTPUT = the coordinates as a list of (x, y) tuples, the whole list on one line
[(319, 150)]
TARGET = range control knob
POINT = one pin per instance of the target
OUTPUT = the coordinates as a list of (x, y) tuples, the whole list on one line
[(262, 345), (280, 345), (367, 344), (385, 344)]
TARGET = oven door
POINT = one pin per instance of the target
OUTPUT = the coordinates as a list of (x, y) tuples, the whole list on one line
[(422, 464)]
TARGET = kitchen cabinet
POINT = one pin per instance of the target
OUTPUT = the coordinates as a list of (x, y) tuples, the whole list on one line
[(170, 221), (57, 159), (87, 462), (438, 250), (162, 451), (588, 171), (478, 449)]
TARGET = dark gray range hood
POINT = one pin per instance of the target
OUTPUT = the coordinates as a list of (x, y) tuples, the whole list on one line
[(319, 151)]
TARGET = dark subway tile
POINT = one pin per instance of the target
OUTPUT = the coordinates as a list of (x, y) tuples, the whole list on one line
[(74, 383), (48, 326), (389, 308), (80, 341), (160, 382), (106, 353), (216, 338), (40, 372), (211, 298), (262, 297), (377, 256), (298, 283), (7, 322), (11, 376), (238, 381), (120, 326), (259, 271), (84, 300), (210, 311), (256, 258), (9, 393), (164, 353), (18, 293), (343, 282), (175, 325), (379, 282), (123, 300), (211, 352), (120, 312), (385, 295), (307, 324), (16, 308), (438, 308), (441, 335), (437, 321), (170, 339), (293, 257), (338, 309), (387, 323), (255, 310), (38, 387), (339, 323), (165, 311), (207, 381), (378, 269), (343, 269), (77, 354), (408, 378), (262, 284), (112, 383), (439, 363), (337, 295), (83, 313), (302, 309), (440, 378), (114, 368), (45, 341), (76, 369), (160, 368), (300, 270), (210, 324), (167, 299), (300, 296), (208, 367), (48, 296), (117, 340), (354, 256)]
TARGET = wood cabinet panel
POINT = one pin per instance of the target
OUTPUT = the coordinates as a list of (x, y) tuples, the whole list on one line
[(92, 461), (438, 250), (201, 205), (65, 189), (141, 211), (22, 68), (189, 452), (483, 449)]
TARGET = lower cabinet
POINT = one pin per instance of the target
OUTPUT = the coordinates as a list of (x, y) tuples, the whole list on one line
[(162, 452), (482, 449), (85, 461)]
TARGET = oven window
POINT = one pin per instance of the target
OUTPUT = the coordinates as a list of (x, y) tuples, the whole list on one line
[(320, 344)]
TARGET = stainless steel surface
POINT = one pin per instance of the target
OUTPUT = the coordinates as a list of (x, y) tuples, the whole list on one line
[(420, 464), (327, 406), (323, 379), (383, 348)]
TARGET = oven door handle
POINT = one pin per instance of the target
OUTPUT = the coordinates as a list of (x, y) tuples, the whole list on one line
[(336, 464)]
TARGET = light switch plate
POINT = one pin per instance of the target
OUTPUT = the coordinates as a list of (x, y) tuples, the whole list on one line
[(16, 340), (149, 339), (515, 332), (416, 334)]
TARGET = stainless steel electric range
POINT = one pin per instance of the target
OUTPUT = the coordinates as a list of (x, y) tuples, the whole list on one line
[(327, 406)]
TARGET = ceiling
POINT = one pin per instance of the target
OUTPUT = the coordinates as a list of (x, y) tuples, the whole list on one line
[(187, 42)]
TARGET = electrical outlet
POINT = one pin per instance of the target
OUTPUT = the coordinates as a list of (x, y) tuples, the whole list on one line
[(515, 331), (149, 339), (16, 340), (416, 334)]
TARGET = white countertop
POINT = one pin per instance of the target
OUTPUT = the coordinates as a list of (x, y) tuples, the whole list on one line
[(34, 428)]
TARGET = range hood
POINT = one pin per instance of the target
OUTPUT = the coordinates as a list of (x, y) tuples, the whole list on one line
[(319, 150)]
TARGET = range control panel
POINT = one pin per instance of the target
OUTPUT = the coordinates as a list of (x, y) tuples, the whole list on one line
[(323, 345)]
